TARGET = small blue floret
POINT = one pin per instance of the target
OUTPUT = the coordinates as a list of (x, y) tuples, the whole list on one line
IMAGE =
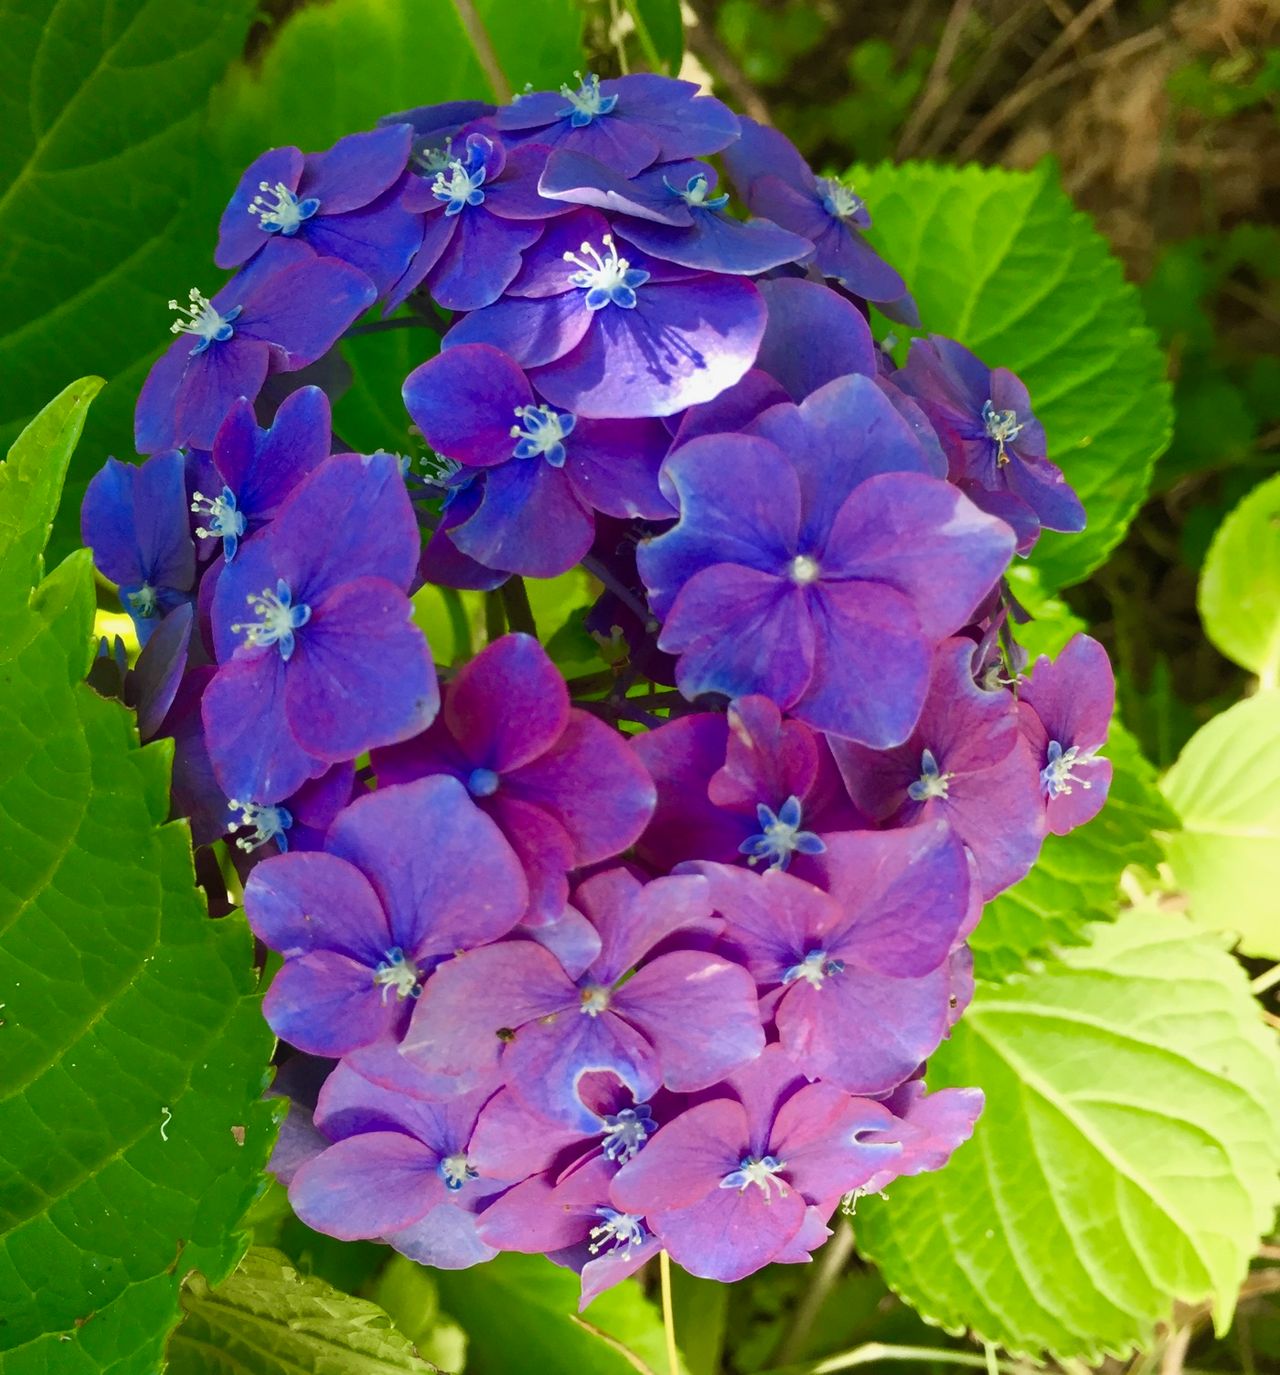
[(780, 836)]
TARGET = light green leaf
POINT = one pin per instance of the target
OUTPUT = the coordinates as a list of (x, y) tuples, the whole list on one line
[(108, 198), (1126, 1159), (660, 29), (529, 1295), (1240, 584), (1076, 880), (132, 1052), (1225, 786), (267, 1319), (335, 68), (1004, 263)]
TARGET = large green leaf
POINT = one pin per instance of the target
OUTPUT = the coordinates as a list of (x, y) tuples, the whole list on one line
[(660, 29), (338, 67), (1240, 584), (1076, 880), (1126, 1158), (132, 1131), (268, 1319), (620, 1334), (1004, 263), (370, 414), (108, 197), (1225, 785)]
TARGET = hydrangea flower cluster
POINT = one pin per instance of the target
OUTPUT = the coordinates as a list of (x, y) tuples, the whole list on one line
[(556, 985)]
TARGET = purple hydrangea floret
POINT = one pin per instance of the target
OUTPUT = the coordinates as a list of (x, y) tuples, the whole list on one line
[(966, 762), (776, 182), (1065, 708), (278, 314), (994, 444), (310, 606), (255, 469), (534, 764), (718, 774), (344, 203), (134, 520), (628, 123), (672, 212), (683, 1020), (856, 977), (362, 923), (802, 566), (543, 471), (605, 333), (752, 1175)]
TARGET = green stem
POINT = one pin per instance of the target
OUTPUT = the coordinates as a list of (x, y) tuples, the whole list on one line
[(515, 602), (459, 624), (668, 1318), (484, 49), (592, 682), (832, 1259), (381, 326), (1266, 981)]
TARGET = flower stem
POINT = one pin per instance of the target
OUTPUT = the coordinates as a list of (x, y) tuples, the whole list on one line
[(832, 1259), (515, 601), (624, 594), (668, 1316), (459, 624), (495, 623), (870, 1353), (484, 49)]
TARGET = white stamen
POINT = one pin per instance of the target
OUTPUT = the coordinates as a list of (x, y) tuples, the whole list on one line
[(279, 210), (201, 318), (803, 570), (1002, 426)]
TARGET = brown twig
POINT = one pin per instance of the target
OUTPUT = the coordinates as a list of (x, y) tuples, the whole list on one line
[(961, 97), (935, 87), (705, 44), (1025, 94), (1070, 36)]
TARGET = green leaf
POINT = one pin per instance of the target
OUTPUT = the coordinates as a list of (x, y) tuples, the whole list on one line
[(1004, 263), (621, 1334), (1225, 787), (1126, 1158), (370, 414), (132, 1131), (30, 486), (108, 197), (267, 1319), (1240, 585), (1076, 880), (335, 68), (660, 29)]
